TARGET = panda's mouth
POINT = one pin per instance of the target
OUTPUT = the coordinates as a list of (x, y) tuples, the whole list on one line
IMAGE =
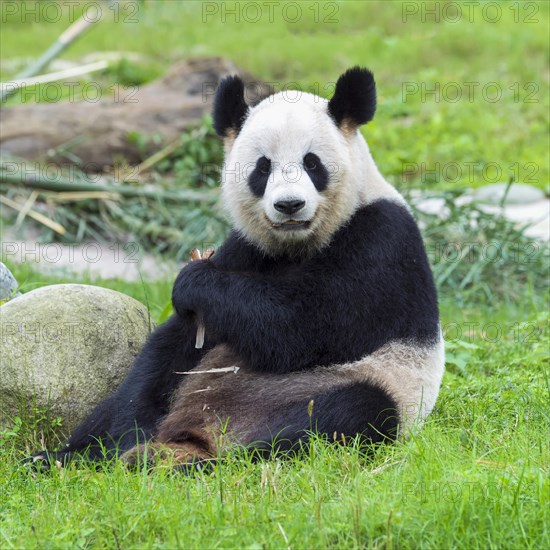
[(291, 225)]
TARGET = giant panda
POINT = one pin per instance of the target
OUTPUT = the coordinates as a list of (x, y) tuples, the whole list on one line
[(319, 310)]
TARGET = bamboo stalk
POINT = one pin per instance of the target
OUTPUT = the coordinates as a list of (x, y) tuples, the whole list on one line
[(201, 329), (234, 369), (73, 196), (62, 184), (26, 207), (34, 215), (153, 159), (11, 86), (64, 40)]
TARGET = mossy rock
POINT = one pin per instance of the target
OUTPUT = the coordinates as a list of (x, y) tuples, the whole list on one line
[(63, 348)]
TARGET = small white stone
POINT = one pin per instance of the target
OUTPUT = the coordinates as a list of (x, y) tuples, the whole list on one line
[(8, 284), (519, 193)]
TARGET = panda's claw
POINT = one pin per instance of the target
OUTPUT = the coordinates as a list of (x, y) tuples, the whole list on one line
[(195, 255), (37, 463), (206, 254)]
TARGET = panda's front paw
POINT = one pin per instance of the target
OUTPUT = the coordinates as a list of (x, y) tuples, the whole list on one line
[(192, 286), (44, 461)]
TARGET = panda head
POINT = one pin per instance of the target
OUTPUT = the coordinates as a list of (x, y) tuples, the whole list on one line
[(296, 166)]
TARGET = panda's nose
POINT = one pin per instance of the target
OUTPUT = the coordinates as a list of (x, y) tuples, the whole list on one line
[(289, 207)]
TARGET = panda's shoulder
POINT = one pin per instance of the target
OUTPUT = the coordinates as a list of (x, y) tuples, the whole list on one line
[(384, 222), (235, 253), (238, 254), (385, 213)]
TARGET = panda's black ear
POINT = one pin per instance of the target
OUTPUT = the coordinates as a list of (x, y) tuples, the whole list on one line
[(354, 99), (230, 108)]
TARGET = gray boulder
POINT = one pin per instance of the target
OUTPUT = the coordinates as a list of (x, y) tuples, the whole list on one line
[(65, 348)]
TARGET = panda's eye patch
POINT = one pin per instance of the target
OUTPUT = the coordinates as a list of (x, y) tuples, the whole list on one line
[(316, 171), (257, 180), (311, 161)]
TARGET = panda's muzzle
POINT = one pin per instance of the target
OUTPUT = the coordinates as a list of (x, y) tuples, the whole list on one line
[(291, 210), (290, 207)]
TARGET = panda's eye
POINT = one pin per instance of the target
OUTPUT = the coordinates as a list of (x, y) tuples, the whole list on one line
[(264, 165), (311, 162), (316, 171)]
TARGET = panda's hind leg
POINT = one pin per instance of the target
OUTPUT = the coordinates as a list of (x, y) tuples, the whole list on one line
[(217, 408), (338, 413)]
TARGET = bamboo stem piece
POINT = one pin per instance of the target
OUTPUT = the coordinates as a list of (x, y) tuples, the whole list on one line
[(11, 86), (34, 215), (74, 196), (61, 184), (26, 207), (153, 159), (64, 40), (199, 340)]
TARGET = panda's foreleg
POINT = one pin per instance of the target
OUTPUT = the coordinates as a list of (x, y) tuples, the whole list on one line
[(277, 324), (87, 437)]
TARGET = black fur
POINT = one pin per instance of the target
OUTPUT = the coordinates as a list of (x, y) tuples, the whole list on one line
[(257, 180), (316, 171), (230, 108), (371, 285), (358, 409), (354, 99)]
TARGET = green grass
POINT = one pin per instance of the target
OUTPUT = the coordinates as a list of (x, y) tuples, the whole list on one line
[(427, 141), (477, 475)]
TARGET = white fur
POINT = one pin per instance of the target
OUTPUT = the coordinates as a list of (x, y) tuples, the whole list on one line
[(409, 373), (285, 131)]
